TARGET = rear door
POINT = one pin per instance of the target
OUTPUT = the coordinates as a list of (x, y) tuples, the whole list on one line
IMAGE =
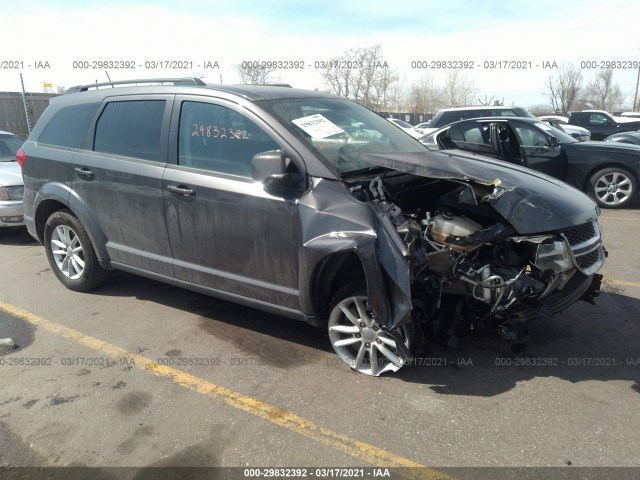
[(226, 232), (471, 136), (118, 177)]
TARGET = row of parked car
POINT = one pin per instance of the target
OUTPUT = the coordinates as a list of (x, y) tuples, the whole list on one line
[(583, 126), (311, 206), (558, 146)]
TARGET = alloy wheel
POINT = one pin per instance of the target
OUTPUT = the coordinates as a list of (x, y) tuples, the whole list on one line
[(613, 188), (359, 340), (67, 252)]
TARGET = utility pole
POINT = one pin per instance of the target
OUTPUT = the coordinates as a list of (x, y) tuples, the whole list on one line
[(635, 97), (24, 103)]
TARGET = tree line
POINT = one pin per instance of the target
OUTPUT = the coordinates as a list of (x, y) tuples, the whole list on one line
[(362, 75)]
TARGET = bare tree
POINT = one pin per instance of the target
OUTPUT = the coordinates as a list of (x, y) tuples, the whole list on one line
[(601, 93), (256, 72), (564, 88), (360, 74), (540, 109), (491, 102), (458, 91), (424, 95), (397, 97)]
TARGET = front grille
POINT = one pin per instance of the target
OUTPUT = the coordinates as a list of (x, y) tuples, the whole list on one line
[(580, 234), (586, 261), (586, 245)]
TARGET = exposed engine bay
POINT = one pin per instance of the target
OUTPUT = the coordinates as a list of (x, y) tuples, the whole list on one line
[(469, 267)]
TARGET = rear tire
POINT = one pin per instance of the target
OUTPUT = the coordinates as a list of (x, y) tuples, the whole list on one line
[(613, 187), (71, 254)]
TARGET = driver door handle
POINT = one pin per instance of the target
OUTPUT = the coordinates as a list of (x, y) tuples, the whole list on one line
[(181, 190), (84, 172)]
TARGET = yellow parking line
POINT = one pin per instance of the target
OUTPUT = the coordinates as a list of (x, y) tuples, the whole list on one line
[(625, 219), (623, 283), (307, 428)]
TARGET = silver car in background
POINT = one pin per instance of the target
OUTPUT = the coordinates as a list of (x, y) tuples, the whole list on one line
[(11, 186)]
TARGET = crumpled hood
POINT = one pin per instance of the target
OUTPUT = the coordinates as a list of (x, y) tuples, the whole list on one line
[(530, 201)]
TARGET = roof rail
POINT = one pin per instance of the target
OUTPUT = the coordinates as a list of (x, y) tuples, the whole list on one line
[(148, 81)]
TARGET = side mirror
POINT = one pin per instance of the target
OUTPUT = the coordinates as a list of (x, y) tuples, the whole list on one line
[(554, 142), (265, 165), (270, 168)]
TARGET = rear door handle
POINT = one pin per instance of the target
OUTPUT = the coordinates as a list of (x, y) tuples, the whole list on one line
[(181, 190), (84, 172)]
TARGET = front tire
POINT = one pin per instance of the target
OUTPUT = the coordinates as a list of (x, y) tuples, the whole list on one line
[(71, 254), (360, 341), (613, 187)]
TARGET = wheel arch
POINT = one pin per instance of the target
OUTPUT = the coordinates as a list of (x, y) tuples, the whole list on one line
[(54, 197), (332, 272)]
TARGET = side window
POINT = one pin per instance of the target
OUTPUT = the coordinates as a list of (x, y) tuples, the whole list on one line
[(472, 136), (503, 112), (68, 126), (597, 119), (447, 118), (131, 128), (219, 139), (530, 136)]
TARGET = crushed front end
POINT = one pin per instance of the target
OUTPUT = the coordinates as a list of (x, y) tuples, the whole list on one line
[(470, 265)]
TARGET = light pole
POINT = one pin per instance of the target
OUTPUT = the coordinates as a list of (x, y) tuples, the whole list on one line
[(635, 97)]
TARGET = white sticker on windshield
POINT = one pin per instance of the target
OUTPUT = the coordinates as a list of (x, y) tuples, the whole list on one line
[(317, 126)]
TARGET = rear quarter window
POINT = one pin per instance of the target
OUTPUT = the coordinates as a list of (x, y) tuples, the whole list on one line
[(68, 126), (131, 128)]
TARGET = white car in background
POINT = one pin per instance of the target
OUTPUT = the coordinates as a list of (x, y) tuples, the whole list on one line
[(407, 127), (421, 127), (562, 123)]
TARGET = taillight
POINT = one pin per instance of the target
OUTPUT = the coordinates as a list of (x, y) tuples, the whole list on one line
[(21, 157)]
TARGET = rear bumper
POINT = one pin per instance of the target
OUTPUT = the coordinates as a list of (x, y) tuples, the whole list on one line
[(11, 213)]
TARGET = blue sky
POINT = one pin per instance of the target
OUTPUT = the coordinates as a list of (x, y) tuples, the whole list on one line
[(65, 31)]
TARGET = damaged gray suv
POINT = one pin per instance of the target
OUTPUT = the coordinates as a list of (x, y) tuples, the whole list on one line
[(307, 205)]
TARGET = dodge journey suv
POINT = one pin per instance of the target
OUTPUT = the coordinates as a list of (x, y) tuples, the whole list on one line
[(307, 205)]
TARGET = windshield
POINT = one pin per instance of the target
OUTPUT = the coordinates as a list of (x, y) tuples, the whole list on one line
[(9, 146), (554, 132), (339, 130)]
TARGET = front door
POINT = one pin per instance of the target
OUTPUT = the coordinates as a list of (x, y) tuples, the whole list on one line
[(226, 232), (538, 153)]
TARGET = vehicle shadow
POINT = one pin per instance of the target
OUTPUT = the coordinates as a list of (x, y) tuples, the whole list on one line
[(218, 317), (586, 342), (16, 236)]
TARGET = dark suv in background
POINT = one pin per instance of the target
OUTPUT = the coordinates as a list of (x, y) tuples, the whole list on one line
[(304, 204), (601, 124)]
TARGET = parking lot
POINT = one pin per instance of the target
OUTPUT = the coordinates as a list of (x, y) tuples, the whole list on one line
[(142, 374)]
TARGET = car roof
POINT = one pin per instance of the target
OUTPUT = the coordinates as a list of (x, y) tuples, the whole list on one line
[(493, 119), (97, 92), (479, 107)]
